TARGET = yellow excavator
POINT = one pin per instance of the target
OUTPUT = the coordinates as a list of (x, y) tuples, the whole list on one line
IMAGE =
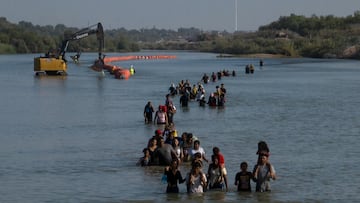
[(56, 63)]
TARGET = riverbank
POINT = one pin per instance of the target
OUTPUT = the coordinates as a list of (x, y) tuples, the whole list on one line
[(350, 53), (258, 55)]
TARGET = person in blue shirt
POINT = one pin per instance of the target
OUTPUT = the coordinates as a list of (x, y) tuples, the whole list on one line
[(148, 112)]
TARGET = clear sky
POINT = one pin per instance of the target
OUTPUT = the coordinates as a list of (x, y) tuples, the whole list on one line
[(169, 14)]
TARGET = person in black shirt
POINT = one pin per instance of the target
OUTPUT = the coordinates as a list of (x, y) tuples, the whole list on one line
[(242, 178)]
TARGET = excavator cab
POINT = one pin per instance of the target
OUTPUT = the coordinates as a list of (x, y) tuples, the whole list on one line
[(50, 66)]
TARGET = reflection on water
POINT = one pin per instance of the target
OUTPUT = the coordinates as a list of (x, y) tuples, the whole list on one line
[(77, 138), (50, 78)]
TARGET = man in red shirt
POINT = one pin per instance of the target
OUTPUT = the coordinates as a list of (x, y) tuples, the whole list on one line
[(221, 158)]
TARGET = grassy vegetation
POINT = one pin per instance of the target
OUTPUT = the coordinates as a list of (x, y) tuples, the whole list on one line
[(291, 36)]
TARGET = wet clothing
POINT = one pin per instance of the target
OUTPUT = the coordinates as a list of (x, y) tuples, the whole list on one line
[(262, 179), (221, 101), (153, 159), (165, 154), (194, 151), (148, 111), (196, 186), (178, 151), (205, 79), (221, 159), (184, 100), (171, 110), (172, 180), (212, 101), (144, 161), (202, 101), (161, 117), (215, 177), (172, 90), (243, 180)]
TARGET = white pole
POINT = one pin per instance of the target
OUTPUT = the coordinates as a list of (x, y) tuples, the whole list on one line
[(236, 15)]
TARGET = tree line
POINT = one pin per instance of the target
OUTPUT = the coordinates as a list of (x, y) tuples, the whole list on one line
[(293, 36)]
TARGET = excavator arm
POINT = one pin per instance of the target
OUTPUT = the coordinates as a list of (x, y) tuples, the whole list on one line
[(56, 64), (85, 32)]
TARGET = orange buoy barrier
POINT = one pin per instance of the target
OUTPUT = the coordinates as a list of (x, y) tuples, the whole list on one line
[(120, 73), (128, 58), (109, 68), (123, 73)]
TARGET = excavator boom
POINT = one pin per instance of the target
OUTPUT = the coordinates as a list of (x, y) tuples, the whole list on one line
[(56, 64)]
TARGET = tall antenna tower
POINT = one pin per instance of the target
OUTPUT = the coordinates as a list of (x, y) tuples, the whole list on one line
[(236, 16)]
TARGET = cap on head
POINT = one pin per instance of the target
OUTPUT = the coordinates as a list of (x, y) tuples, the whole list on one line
[(158, 132)]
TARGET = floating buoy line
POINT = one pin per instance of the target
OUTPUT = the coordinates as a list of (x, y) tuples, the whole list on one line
[(125, 73)]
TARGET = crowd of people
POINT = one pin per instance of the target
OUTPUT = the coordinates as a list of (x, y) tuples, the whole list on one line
[(164, 114), (171, 152), (167, 148), (198, 93)]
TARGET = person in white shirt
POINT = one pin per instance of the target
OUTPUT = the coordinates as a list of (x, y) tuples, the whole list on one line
[(197, 149)]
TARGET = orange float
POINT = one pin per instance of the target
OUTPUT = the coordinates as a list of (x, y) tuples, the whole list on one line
[(123, 73), (128, 58)]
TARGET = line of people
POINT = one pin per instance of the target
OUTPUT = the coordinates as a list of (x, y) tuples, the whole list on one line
[(197, 93), (168, 149), (217, 76), (165, 113)]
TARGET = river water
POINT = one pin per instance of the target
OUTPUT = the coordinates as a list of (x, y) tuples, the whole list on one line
[(77, 138)]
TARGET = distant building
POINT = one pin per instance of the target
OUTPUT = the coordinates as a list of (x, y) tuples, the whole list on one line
[(281, 35)]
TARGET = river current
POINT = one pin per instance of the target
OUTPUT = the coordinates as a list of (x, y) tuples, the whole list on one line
[(77, 138)]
